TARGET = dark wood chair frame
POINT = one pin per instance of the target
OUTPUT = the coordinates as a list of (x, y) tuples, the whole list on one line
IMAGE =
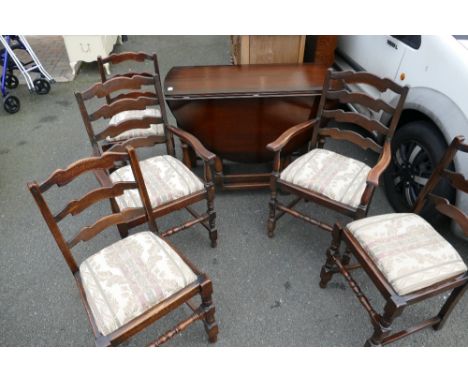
[(140, 101), (202, 286), (334, 91), (395, 304)]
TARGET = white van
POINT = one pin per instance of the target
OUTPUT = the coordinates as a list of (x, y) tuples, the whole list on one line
[(436, 109)]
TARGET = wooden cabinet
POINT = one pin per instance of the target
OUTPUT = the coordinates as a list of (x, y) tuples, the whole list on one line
[(283, 49), (267, 49), (87, 48)]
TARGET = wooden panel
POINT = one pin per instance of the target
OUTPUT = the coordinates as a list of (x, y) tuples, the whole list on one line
[(325, 50), (275, 49), (267, 49), (239, 129), (244, 50)]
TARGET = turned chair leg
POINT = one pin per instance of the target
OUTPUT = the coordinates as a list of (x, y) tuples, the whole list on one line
[(346, 258), (383, 326), (213, 232), (211, 327), (330, 268), (451, 302), (219, 172), (272, 216)]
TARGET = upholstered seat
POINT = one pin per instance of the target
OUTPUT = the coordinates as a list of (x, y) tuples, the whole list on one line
[(325, 172), (166, 179), (136, 133), (129, 277), (407, 250)]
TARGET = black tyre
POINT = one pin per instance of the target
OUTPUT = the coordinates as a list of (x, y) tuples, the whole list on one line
[(11, 81), (11, 104), (417, 147), (41, 85)]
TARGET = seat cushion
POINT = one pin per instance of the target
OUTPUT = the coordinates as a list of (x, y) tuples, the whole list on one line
[(327, 173), (136, 133), (166, 179), (127, 278), (407, 250)]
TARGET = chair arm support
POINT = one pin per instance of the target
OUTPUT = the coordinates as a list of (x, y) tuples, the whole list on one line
[(374, 176), (375, 173), (102, 177), (193, 142), (284, 138)]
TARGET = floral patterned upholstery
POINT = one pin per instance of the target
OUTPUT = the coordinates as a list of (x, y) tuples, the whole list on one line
[(136, 133), (127, 278), (335, 176), (166, 179), (408, 251)]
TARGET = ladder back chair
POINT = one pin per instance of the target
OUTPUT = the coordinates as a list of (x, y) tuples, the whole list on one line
[(405, 257), (170, 184), (135, 281), (325, 177), (134, 101)]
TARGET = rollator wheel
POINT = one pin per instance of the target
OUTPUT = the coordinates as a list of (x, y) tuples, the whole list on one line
[(11, 104), (41, 86), (11, 81)]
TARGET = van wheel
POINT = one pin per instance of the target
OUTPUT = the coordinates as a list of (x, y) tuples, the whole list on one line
[(417, 147)]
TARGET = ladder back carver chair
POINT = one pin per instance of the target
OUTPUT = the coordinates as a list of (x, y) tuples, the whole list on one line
[(328, 178), (135, 281), (150, 103), (405, 257), (171, 185)]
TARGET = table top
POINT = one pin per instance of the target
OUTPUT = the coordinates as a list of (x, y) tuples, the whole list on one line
[(244, 80)]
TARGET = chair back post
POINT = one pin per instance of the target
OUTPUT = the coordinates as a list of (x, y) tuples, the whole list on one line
[(102, 71), (321, 107), (143, 191), (35, 190), (102, 74), (162, 105), (87, 123), (154, 56), (394, 122), (398, 110)]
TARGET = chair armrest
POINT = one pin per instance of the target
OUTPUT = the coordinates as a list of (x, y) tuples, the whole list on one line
[(193, 142), (376, 171), (284, 138)]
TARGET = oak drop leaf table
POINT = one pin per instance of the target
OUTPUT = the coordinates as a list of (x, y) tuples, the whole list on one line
[(235, 111)]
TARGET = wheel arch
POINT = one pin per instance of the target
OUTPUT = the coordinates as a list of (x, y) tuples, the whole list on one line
[(431, 105)]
